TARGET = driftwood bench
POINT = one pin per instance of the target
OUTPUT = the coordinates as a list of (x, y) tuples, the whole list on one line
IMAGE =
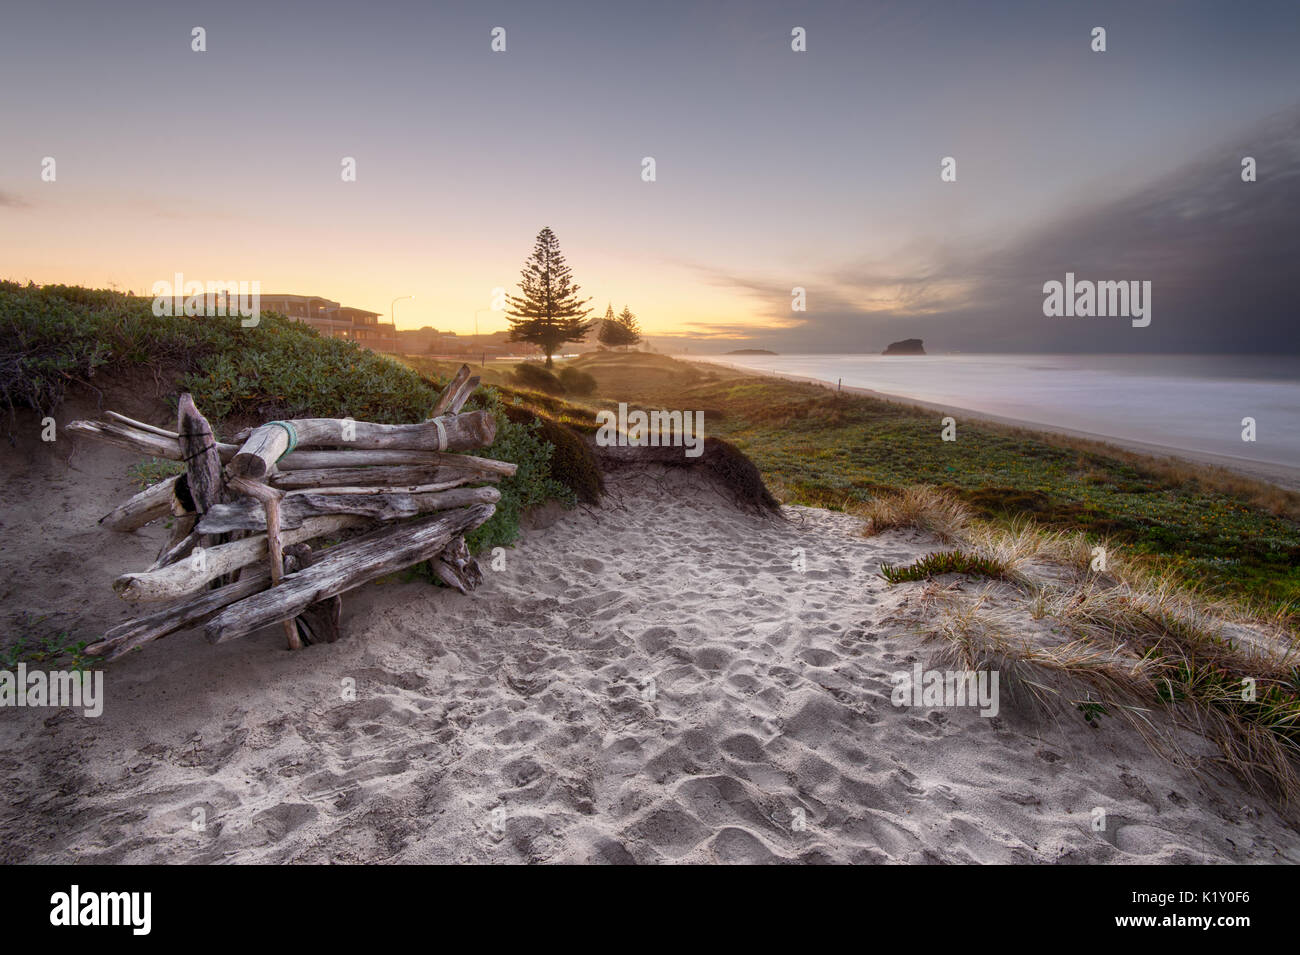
[(243, 514)]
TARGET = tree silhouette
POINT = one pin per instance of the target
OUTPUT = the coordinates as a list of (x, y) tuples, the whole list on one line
[(621, 331), (548, 312), (607, 329)]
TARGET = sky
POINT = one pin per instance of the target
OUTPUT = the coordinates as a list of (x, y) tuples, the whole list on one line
[(774, 169)]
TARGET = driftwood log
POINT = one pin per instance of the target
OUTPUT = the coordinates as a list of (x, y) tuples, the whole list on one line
[(127, 636), (301, 460), (134, 439), (456, 568), (150, 504), (377, 504), (204, 482), (456, 393), (406, 476), (140, 425), (345, 567), (320, 622), (191, 576), (265, 446), (270, 498), (199, 452)]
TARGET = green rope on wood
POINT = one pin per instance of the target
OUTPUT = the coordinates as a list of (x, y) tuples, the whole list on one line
[(291, 431)]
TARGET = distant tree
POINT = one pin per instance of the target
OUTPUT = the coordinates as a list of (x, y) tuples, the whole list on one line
[(607, 326), (621, 331), (548, 312), (625, 331)]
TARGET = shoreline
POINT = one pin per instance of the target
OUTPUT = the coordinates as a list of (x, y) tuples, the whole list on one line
[(1280, 475)]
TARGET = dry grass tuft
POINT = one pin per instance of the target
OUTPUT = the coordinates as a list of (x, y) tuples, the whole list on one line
[(921, 506)]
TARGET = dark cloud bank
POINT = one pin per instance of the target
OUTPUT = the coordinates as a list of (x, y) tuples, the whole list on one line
[(1223, 257)]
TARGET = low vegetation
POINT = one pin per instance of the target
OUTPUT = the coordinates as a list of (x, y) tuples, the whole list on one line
[(37, 644), (945, 562), (537, 378)]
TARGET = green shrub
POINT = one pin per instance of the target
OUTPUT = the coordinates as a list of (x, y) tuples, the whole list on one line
[(521, 443), (577, 382), (51, 335), (532, 375), (44, 345), (293, 376), (572, 462)]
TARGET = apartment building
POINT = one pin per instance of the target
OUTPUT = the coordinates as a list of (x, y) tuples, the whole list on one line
[(333, 320)]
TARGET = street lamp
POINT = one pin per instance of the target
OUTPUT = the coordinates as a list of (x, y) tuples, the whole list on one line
[(392, 309), (476, 341)]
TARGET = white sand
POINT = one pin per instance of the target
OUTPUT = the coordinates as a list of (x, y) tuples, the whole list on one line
[(771, 695)]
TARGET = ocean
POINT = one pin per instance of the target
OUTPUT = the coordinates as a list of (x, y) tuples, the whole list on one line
[(1184, 402)]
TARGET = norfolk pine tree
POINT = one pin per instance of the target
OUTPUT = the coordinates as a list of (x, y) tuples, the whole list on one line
[(607, 329), (631, 330), (548, 312)]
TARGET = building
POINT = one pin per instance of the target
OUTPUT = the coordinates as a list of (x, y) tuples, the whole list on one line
[(333, 320)]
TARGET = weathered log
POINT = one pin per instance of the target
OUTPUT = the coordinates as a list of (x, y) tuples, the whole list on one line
[(199, 452), (378, 504), (456, 393), (260, 450), (140, 425), (134, 439), (191, 576), (150, 504), (455, 567), (319, 623), (345, 567), (408, 489), (270, 499), (378, 477), (184, 538), (127, 636), (302, 460), (266, 444)]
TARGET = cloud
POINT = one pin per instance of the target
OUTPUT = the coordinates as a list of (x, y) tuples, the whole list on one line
[(1221, 255), (10, 201)]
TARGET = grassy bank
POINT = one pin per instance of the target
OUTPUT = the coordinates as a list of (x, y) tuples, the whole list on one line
[(1226, 535), (58, 338)]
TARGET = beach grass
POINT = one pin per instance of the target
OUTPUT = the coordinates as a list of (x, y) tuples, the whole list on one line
[(1120, 641)]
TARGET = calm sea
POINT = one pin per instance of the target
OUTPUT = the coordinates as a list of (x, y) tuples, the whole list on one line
[(1188, 402)]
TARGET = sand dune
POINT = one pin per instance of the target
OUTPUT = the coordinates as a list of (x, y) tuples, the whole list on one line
[(651, 681)]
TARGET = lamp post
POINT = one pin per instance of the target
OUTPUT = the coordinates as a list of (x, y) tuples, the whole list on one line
[(392, 309), (476, 341)]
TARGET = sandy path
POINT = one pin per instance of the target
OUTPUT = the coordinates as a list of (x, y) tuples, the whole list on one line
[(519, 724)]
